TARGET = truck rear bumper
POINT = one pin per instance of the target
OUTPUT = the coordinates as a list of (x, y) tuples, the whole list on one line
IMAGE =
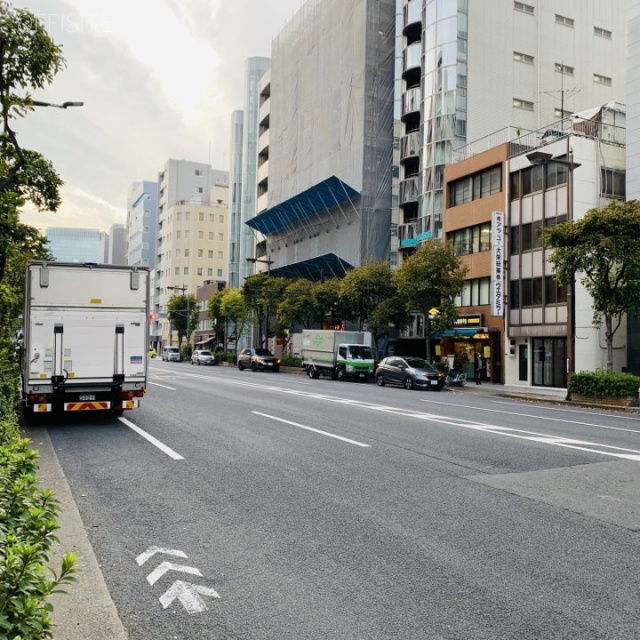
[(102, 405)]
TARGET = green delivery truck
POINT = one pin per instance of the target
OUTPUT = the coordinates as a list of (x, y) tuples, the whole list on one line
[(340, 355)]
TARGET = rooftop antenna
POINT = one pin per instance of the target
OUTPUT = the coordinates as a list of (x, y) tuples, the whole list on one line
[(564, 93)]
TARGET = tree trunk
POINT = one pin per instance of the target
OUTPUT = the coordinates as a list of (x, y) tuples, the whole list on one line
[(609, 337)]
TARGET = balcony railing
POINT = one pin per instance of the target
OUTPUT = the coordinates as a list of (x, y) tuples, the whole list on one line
[(411, 100), (410, 189), (410, 145)]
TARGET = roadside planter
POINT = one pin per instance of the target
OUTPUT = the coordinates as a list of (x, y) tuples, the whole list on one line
[(613, 389)]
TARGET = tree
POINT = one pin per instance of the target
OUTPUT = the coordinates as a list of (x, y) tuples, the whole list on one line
[(603, 250), (263, 293), (370, 295), (431, 278), (29, 60), (297, 305), (183, 315), (326, 296), (214, 311), (233, 307)]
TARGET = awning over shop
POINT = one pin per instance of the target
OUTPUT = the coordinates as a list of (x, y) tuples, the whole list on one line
[(321, 197), (204, 340), (459, 333), (327, 265)]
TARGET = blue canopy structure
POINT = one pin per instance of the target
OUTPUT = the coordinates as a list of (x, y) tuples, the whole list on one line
[(317, 268), (321, 197)]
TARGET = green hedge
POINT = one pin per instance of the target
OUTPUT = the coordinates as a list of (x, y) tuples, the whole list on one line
[(601, 384), (28, 521)]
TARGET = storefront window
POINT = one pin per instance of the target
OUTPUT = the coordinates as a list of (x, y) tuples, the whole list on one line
[(549, 362)]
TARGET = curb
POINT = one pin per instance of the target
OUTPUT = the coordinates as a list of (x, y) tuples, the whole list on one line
[(86, 611)]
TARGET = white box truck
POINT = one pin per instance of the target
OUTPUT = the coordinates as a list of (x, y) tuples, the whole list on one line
[(86, 334), (341, 355)]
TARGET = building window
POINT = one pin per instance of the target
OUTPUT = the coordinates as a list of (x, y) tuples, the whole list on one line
[(200, 190), (185, 271), (198, 172), (221, 218), (221, 237), (201, 216), (602, 33), (210, 255), (186, 253), (177, 271), (565, 69), (554, 293), (471, 240), (612, 183), (220, 255), (187, 216), (179, 216), (178, 235), (563, 20), (210, 235), (209, 271), (199, 271), (524, 8), (200, 235), (475, 293), (211, 217), (187, 233), (522, 57), (560, 114), (200, 253), (602, 80), (523, 104), (219, 273), (480, 185)]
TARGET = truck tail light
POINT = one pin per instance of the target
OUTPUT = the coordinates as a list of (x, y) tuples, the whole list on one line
[(37, 398)]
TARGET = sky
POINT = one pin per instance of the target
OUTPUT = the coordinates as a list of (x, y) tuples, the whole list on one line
[(159, 79)]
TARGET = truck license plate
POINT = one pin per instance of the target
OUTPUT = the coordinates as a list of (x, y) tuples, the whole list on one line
[(86, 397)]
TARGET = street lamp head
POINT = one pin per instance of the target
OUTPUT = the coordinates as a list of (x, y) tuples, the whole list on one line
[(64, 105), (72, 104)]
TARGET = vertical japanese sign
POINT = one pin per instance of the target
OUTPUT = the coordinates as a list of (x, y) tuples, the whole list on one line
[(497, 264)]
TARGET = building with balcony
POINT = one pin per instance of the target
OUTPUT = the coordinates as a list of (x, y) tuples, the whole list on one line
[(460, 81), (329, 122)]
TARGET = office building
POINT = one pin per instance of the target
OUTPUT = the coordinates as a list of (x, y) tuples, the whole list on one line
[(117, 252), (77, 245), (193, 241), (142, 224)]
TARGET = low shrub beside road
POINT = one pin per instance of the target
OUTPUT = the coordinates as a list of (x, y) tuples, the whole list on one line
[(28, 522), (602, 384)]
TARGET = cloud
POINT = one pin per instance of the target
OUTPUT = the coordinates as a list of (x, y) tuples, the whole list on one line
[(157, 82)]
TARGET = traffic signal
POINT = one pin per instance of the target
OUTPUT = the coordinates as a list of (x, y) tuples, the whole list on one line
[(153, 316)]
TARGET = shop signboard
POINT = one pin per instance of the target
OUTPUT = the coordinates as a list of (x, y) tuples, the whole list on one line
[(497, 264)]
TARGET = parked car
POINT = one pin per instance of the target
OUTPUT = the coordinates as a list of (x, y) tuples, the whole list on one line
[(258, 360), (171, 354), (202, 356), (152, 353), (410, 372)]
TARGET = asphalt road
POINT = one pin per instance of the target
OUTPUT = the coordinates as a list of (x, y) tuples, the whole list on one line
[(250, 506)]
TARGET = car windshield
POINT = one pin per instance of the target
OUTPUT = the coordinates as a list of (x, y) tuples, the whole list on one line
[(205, 353), (419, 363), (359, 352), (263, 352), (172, 349)]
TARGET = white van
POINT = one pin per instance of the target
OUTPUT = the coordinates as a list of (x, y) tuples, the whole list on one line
[(171, 354)]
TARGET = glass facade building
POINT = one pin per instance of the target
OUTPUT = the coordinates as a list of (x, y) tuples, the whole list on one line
[(76, 245)]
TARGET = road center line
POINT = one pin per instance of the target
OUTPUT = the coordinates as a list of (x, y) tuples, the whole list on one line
[(301, 426), (530, 415), (156, 443)]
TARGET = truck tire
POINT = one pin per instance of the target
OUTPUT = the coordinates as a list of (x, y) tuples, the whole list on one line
[(340, 374), (310, 372)]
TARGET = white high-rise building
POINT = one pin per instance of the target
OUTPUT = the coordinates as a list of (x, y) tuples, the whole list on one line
[(470, 68)]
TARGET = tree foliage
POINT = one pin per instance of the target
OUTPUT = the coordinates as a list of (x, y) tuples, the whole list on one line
[(603, 251), (233, 308), (431, 278), (29, 60), (183, 315)]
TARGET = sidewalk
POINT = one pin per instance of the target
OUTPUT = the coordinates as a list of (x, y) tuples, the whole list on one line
[(86, 611)]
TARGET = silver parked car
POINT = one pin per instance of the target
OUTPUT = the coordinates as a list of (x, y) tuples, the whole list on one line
[(171, 354), (202, 356), (258, 360)]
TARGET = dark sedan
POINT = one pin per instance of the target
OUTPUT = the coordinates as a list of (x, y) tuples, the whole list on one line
[(410, 372), (258, 360)]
